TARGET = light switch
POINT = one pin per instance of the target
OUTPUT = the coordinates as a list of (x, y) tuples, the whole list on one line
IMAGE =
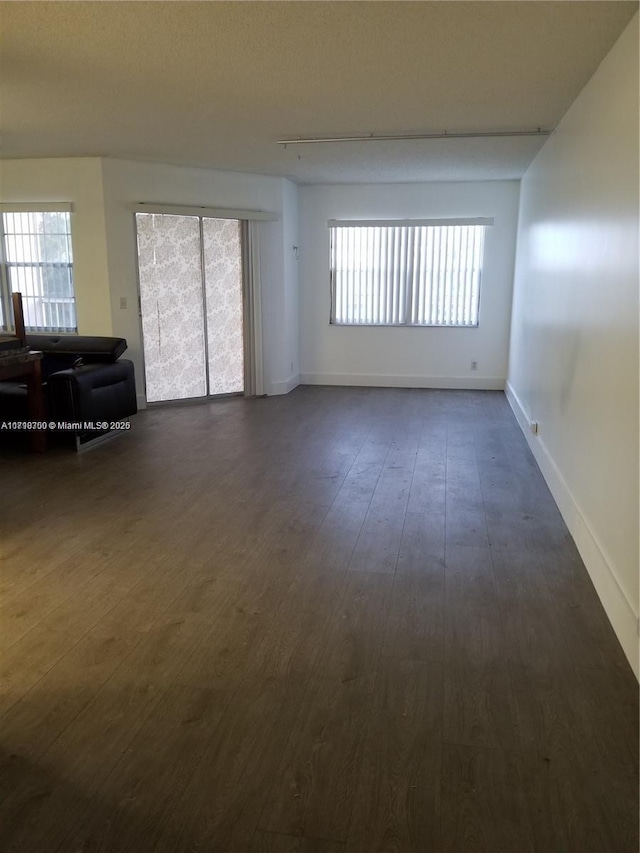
[(123, 303)]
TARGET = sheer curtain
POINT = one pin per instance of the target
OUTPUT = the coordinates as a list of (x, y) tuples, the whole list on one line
[(222, 262), (201, 307), (171, 307)]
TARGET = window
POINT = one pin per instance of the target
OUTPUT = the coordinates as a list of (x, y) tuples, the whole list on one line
[(37, 261), (406, 273)]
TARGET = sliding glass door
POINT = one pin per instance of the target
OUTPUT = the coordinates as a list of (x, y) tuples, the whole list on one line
[(222, 256), (190, 275), (171, 306)]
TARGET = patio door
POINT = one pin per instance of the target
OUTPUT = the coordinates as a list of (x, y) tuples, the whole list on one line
[(190, 276)]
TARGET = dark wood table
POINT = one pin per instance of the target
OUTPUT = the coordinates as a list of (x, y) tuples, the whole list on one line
[(28, 366)]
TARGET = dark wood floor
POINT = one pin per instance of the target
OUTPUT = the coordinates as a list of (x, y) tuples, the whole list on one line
[(341, 621)]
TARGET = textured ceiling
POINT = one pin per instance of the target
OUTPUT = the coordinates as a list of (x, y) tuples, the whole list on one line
[(215, 84)]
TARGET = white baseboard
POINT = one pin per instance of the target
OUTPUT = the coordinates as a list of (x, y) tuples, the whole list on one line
[(284, 387), (481, 383), (617, 604)]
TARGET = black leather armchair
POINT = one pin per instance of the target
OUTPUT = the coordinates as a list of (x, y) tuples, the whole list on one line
[(85, 380), (93, 392)]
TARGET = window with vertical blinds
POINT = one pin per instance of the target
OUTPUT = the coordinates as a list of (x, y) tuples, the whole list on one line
[(407, 273), (37, 261)]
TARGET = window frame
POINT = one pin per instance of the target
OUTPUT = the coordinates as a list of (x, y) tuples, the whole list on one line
[(7, 321), (334, 224)]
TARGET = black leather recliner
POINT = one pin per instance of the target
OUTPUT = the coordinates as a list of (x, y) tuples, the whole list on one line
[(85, 383)]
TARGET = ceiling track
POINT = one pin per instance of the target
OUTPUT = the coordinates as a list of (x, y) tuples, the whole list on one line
[(372, 137)]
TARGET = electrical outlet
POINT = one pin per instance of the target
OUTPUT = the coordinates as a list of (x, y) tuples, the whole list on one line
[(123, 303), (474, 365)]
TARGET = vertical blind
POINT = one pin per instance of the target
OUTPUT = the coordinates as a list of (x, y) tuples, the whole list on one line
[(412, 274), (38, 262)]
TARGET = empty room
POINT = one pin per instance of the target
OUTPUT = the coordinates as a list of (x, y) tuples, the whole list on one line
[(319, 427)]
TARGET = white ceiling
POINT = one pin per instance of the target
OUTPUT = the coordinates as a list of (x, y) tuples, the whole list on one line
[(215, 84)]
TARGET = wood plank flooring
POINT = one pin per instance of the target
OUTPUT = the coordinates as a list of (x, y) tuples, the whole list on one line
[(340, 621)]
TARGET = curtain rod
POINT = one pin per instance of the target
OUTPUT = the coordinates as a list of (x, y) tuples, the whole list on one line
[(402, 223), (197, 210), (372, 137)]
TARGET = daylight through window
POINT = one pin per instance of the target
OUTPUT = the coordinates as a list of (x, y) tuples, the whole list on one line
[(38, 262), (409, 274)]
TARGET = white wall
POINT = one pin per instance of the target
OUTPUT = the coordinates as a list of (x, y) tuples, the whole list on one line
[(78, 180), (414, 357), (574, 343), (290, 252), (281, 312)]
